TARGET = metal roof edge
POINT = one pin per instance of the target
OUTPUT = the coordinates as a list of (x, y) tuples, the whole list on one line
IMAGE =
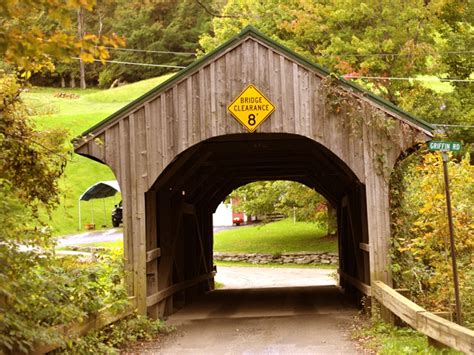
[(306, 62), (166, 84), (250, 31)]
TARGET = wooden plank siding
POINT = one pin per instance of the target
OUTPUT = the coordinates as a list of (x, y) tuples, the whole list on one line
[(139, 145)]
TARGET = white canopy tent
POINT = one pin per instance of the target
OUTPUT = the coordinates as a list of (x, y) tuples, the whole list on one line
[(101, 189)]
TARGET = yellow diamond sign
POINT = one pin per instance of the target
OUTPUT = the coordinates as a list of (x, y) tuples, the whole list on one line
[(251, 108)]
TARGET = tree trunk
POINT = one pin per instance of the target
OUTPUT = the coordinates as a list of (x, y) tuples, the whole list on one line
[(72, 82), (332, 220), (80, 32), (63, 82), (82, 71)]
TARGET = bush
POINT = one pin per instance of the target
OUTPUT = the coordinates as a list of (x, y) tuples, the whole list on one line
[(57, 291), (421, 251), (115, 336)]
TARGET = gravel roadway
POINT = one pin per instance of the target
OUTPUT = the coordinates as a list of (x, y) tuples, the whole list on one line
[(259, 320), (259, 311)]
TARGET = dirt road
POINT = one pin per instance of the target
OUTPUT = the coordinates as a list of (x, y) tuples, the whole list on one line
[(108, 235), (296, 320), (258, 277)]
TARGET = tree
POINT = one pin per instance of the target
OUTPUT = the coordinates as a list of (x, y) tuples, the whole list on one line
[(30, 164), (420, 245), (27, 45), (164, 26), (354, 38), (347, 36), (263, 198)]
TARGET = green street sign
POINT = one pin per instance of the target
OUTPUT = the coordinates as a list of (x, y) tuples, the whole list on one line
[(444, 146)]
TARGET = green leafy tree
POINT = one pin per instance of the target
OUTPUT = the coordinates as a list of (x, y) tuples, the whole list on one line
[(263, 198), (168, 26), (454, 37), (346, 36), (379, 39), (36, 290)]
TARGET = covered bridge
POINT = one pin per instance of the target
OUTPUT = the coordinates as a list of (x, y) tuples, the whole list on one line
[(177, 151)]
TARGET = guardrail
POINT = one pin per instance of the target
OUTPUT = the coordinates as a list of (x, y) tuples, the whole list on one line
[(170, 291), (103, 318), (440, 329)]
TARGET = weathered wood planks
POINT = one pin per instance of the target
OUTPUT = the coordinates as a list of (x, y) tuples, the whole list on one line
[(143, 140), (440, 329)]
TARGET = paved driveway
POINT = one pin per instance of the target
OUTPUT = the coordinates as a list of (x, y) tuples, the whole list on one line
[(109, 235)]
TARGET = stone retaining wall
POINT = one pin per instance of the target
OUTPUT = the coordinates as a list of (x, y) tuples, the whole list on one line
[(285, 258)]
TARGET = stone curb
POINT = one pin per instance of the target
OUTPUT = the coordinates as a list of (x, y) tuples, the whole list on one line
[(302, 258)]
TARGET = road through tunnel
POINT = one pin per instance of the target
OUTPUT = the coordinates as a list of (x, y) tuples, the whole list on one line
[(188, 191)]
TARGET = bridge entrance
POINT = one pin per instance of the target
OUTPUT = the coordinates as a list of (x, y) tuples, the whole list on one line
[(178, 151), (183, 198)]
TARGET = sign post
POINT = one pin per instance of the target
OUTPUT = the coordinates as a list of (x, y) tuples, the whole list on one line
[(445, 147)]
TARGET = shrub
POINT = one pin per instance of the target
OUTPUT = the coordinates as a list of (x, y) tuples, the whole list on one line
[(57, 291), (421, 256), (115, 336)]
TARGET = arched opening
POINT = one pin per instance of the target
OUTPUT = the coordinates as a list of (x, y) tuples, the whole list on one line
[(181, 202), (273, 234)]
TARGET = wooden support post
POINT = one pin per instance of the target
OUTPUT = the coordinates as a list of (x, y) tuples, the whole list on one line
[(166, 220), (153, 252)]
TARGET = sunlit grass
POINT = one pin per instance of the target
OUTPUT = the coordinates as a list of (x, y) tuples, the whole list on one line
[(278, 237), (76, 114)]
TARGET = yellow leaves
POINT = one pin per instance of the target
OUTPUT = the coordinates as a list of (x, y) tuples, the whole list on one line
[(30, 47), (421, 244), (26, 75), (86, 4), (86, 57), (439, 197)]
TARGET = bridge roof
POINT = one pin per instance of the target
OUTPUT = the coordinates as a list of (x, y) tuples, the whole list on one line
[(252, 32)]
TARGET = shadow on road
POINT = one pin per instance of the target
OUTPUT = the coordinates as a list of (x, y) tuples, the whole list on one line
[(293, 320), (266, 302)]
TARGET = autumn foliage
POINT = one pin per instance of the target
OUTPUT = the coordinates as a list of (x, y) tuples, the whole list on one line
[(421, 251)]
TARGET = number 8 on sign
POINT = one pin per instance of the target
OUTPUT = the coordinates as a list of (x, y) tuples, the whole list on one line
[(251, 121), (251, 108)]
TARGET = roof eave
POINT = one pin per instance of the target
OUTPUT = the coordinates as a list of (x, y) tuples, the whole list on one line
[(249, 31)]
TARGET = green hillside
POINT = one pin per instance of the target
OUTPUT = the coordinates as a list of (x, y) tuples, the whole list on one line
[(77, 110)]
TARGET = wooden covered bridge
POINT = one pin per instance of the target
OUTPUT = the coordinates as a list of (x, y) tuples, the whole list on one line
[(250, 110)]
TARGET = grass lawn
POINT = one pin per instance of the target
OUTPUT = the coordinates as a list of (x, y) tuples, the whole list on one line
[(272, 238), (386, 339), (112, 245), (77, 114)]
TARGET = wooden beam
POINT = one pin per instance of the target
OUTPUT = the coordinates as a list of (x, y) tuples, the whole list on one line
[(104, 317), (153, 254), (444, 331), (364, 247), (188, 208), (167, 292), (362, 287), (181, 177)]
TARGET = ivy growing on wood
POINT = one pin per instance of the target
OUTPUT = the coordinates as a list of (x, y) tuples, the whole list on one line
[(354, 113)]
